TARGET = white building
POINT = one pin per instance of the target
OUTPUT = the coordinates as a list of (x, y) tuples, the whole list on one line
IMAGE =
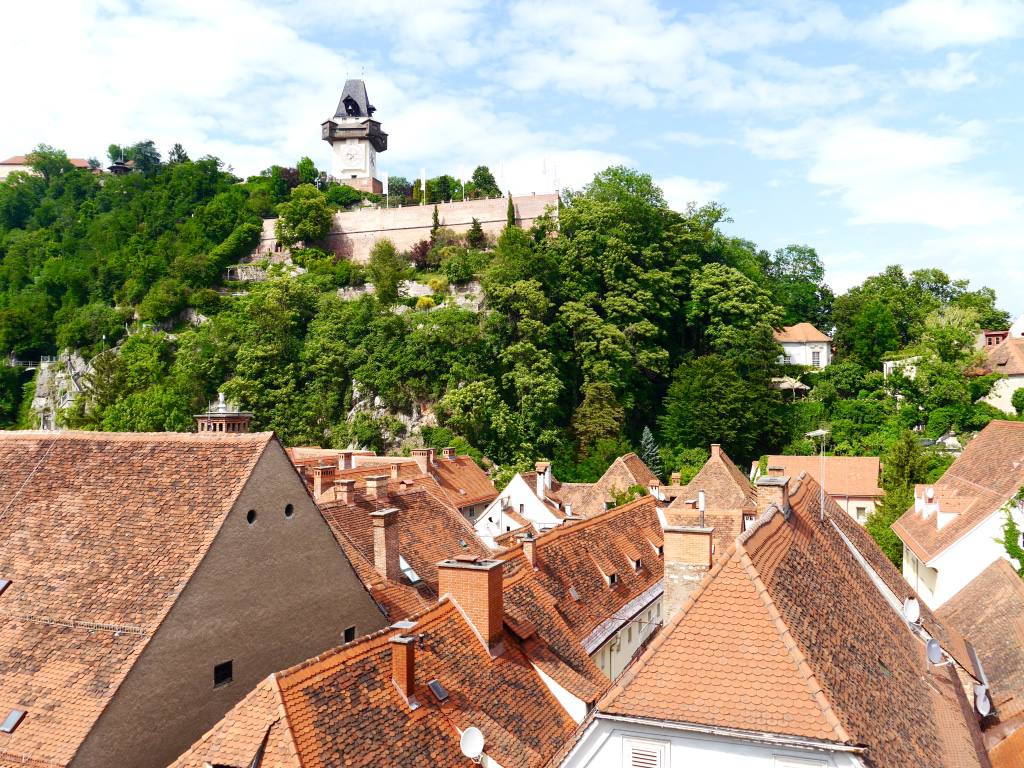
[(355, 139), (787, 655), (1006, 359), (954, 530), (905, 365), (523, 504), (803, 344)]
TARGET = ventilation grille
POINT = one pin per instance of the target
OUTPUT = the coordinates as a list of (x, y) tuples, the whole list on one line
[(644, 757)]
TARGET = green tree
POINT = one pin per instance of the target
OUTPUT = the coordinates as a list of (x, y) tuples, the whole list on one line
[(650, 454), (904, 465), (177, 155), (872, 334), (308, 174), (386, 269), (484, 184), (435, 223), (475, 237), (797, 279), (306, 217), (1013, 542), (725, 303), (49, 162), (510, 213), (1018, 401), (599, 416)]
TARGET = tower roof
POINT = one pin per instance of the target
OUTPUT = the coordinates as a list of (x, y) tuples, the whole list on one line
[(354, 101)]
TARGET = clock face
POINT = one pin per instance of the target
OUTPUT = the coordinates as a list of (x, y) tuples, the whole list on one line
[(353, 153)]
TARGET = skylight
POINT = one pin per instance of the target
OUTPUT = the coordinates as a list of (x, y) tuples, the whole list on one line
[(4, 584), (439, 691), (12, 721), (407, 570)]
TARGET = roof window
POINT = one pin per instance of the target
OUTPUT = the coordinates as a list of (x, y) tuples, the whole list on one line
[(574, 594), (439, 691), (223, 673), (613, 579), (12, 721), (408, 572), (661, 549), (4, 584), (637, 565)]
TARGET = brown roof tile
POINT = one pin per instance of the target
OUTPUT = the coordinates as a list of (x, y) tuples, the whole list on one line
[(1006, 358), (844, 475), (99, 534), (978, 483), (800, 332), (791, 608), (990, 613), (1009, 753), (728, 493)]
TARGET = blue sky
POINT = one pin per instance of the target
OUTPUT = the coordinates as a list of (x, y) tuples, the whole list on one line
[(878, 133)]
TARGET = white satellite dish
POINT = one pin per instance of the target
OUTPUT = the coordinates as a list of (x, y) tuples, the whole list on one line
[(934, 652), (981, 700), (472, 743), (912, 610)]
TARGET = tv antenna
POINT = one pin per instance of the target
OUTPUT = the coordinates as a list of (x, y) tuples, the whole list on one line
[(472, 743)]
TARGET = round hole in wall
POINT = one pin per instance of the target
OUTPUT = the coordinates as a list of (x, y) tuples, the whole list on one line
[(289, 510), (250, 516)]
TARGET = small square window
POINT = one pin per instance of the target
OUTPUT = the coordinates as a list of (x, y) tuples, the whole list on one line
[(350, 634), (222, 674), (637, 565), (613, 579), (12, 721)]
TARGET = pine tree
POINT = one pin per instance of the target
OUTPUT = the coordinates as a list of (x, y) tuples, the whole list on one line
[(475, 237), (650, 454), (511, 222), (436, 225)]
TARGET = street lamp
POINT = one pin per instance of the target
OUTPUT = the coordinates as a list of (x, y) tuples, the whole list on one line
[(814, 435)]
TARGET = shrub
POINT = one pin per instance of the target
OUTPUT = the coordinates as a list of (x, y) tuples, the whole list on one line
[(1018, 403), (425, 302), (438, 284), (418, 254)]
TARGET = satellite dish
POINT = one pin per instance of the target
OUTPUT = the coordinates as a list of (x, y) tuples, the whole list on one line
[(472, 743), (934, 652), (912, 610), (981, 700)]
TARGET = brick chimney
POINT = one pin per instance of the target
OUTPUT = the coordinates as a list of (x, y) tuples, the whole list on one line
[(323, 478), (448, 453), (776, 471), (377, 487), (385, 543), (530, 550), (424, 458), (403, 667), (676, 479), (346, 491), (772, 489), (475, 585), (716, 450), (687, 555), (395, 470), (345, 460)]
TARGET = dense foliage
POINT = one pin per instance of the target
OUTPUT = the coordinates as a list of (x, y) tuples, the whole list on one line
[(621, 316)]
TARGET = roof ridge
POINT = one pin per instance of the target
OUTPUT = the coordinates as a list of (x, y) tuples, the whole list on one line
[(803, 668), (661, 637), (285, 719), (84, 434), (562, 530)]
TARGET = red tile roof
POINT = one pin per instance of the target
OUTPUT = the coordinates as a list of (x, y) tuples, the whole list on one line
[(99, 534), (1009, 753), (587, 499), (463, 481), (77, 162), (789, 610), (342, 707), (1006, 358), (977, 484), (844, 475), (429, 531), (990, 613), (801, 332)]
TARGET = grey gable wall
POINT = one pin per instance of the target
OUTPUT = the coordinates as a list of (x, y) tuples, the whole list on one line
[(266, 596)]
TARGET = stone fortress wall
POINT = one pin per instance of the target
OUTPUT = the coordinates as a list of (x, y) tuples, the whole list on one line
[(354, 233)]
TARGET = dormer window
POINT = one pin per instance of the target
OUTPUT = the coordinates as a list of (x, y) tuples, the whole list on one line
[(661, 550), (637, 565), (613, 579)]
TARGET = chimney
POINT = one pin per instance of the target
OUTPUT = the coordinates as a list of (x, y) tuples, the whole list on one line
[(676, 479), (448, 453), (772, 490), (346, 491), (385, 543), (423, 459), (530, 550), (929, 504), (377, 487), (776, 471), (716, 450), (403, 667), (475, 585), (323, 479), (702, 505), (345, 460), (543, 478), (395, 470), (687, 555)]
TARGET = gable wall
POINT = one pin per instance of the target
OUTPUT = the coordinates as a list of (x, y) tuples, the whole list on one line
[(266, 596)]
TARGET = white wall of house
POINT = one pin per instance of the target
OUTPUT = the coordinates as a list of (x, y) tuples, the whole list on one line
[(907, 366), (816, 354), (522, 499), (1001, 395), (1017, 329), (618, 743), (615, 653), (858, 507), (957, 565)]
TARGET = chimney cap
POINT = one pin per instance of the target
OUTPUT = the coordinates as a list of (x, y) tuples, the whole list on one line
[(470, 562), (384, 514), (402, 639), (687, 529), (377, 478), (773, 480)]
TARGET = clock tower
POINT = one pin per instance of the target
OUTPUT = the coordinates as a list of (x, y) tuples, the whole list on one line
[(355, 138)]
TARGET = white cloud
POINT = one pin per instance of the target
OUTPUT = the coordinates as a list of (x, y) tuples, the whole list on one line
[(691, 139), (931, 24), (954, 75), (682, 190), (888, 176)]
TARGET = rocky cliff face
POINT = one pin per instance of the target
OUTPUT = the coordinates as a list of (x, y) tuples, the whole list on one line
[(58, 382)]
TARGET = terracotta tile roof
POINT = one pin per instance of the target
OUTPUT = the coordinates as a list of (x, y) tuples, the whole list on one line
[(801, 332), (1009, 753), (587, 499), (990, 613), (99, 534), (844, 475), (77, 162), (728, 493), (429, 531), (977, 484), (574, 558), (1006, 358), (342, 708), (790, 607), (463, 480)]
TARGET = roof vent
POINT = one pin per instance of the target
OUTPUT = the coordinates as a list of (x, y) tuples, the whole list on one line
[(12, 721), (439, 691)]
